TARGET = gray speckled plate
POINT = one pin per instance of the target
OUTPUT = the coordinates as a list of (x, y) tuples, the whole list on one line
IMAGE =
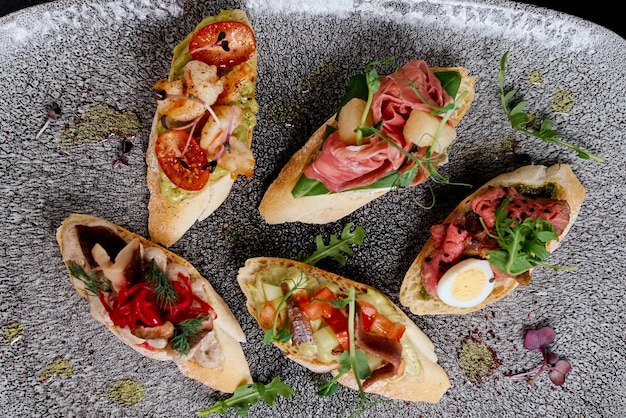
[(78, 53)]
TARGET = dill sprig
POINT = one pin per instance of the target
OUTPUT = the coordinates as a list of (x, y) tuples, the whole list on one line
[(94, 281), (184, 331), (162, 288)]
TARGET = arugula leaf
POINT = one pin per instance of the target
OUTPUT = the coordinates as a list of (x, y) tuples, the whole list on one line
[(523, 244), (184, 331), (249, 394), (162, 288), (336, 246), (94, 281), (520, 119)]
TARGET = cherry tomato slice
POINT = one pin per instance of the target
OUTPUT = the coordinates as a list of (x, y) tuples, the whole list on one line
[(189, 171), (224, 44)]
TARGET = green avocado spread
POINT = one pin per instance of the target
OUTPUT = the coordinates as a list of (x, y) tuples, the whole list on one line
[(247, 102)]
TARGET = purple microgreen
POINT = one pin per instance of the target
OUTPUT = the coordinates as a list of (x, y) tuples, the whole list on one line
[(557, 367), (537, 339), (125, 147), (53, 111)]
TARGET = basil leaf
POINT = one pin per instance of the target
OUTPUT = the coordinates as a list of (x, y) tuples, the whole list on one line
[(450, 80)]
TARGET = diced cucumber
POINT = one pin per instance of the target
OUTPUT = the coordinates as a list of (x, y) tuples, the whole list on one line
[(271, 291), (326, 341)]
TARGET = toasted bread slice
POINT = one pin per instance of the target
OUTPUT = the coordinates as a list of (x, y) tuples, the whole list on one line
[(216, 360), (422, 380), (173, 210), (279, 205), (564, 185)]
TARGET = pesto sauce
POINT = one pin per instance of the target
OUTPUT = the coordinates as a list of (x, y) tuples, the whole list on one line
[(247, 102), (60, 367), (127, 392), (548, 190)]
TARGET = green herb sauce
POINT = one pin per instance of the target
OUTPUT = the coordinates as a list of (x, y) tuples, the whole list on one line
[(476, 360), (563, 101), (548, 190), (59, 367), (97, 123), (127, 392), (12, 332)]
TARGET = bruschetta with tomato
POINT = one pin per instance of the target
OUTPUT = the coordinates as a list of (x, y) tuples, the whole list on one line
[(154, 301), (201, 134), (389, 131), (313, 321), (491, 242)]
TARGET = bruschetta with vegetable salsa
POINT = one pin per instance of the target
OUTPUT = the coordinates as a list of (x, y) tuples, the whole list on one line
[(329, 323), (389, 131), (154, 301), (492, 240), (201, 134)]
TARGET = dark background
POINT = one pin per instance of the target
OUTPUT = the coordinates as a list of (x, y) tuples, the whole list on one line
[(601, 13)]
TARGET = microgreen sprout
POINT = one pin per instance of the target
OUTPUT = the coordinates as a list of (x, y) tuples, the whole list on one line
[(557, 367), (221, 43), (520, 119), (125, 147), (53, 111)]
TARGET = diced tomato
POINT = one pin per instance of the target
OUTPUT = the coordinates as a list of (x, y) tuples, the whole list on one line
[(344, 339), (224, 44), (182, 160), (318, 308), (387, 328), (267, 314), (368, 315)]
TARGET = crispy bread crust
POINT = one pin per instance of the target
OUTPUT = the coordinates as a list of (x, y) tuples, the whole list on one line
[(278, 204), (569, 189), (429, 386), (232, 369), (168, 221)]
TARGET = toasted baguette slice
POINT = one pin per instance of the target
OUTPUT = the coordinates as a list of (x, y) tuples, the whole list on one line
[(422, 380), (216, 360), (175, 212), (566, 187), (279, 205)]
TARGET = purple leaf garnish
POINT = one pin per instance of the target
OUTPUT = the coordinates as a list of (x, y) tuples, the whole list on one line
[(557, 367), (536, 339)]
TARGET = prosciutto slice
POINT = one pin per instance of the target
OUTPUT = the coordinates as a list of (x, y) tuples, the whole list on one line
[(341, 167)]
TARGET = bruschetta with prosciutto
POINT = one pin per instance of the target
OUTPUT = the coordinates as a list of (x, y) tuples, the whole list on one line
[(201, 135), (154, 301), (389, 131), (491, 242)]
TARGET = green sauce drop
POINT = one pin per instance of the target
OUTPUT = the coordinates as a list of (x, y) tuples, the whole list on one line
[(12, 332), (476, 360), (127, 392), (563, 101), (97, 123), (59, 367)]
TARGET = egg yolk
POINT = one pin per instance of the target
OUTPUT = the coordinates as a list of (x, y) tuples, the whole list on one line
[(468, 284)]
